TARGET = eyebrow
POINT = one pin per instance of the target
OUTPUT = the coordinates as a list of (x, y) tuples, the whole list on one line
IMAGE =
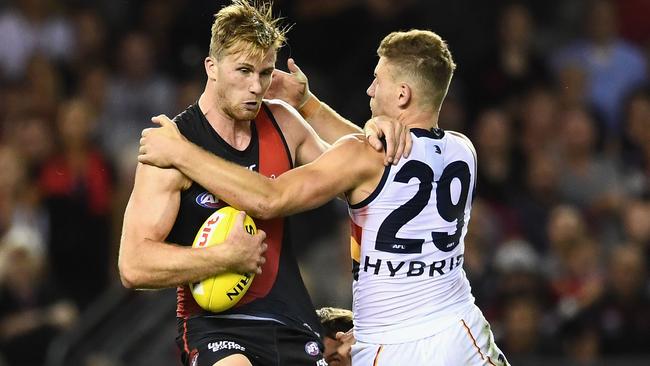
[(250, 66)]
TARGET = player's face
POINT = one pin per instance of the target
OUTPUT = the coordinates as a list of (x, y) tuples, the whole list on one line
[(382, 91), (331, 356), (241, 82)]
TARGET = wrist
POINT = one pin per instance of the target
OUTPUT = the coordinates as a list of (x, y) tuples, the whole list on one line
[(220, 261), (180, 152), (177, 152), (309, 107)]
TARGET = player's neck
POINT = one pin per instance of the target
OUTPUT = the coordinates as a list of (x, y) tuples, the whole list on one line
[(236, 133), (418, 118)]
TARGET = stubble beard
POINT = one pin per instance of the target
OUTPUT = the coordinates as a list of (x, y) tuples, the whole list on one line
[(241, 114), (236, 112)]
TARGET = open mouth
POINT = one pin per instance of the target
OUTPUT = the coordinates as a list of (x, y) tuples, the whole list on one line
[(251, 105)]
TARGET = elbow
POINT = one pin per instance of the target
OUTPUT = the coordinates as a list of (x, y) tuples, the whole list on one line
[(270, 204), (268, 208), (127, 282), (128, 276)]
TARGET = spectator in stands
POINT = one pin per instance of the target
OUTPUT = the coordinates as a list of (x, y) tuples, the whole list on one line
[(635, 144), (537, 120), (513, 65), (495, 146), (32, 27), (622, 313), (613, 66), (537, 199), (588, 180), (31, 136), (573, 268), (636, 226), (517, 272), (523, 333), (135, 93), (77, 186), (33, 310)]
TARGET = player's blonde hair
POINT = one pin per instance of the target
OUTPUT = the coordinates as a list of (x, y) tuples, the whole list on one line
[(422, 57), (246, 27)]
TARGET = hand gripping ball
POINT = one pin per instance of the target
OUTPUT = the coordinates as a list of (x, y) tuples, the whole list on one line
[(223, 291)]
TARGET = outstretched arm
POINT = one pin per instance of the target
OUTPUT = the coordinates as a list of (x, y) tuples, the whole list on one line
[(347, 165), (293, 88), (147, 261)]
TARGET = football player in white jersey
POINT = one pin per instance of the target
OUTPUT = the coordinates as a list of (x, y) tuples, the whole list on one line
[(412, 302)]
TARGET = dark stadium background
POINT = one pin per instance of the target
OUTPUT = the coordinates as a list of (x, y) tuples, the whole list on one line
[(554, 94)]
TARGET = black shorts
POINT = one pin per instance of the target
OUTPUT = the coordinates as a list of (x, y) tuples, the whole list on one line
[(204, 341)]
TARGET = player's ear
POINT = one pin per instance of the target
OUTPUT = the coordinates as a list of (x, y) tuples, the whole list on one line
[(210, 68), (404, 96)]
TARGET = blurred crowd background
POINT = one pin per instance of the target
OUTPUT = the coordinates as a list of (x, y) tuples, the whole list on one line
[(554, 94)]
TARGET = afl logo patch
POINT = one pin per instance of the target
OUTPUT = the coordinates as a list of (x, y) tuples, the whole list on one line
[(207, 200), (312, 348)]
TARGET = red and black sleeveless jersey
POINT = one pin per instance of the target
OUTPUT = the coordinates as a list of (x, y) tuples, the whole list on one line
[(279, 292)]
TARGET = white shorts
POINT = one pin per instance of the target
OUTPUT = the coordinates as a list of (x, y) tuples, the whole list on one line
[(467, 342)]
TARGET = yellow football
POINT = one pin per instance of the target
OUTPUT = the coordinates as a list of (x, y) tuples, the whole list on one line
[(223, 291)]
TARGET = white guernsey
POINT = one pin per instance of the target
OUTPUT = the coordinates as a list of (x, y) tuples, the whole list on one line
[(410, 282)]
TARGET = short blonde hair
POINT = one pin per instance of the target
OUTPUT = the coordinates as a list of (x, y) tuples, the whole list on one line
[(423, 57), (246, 27)]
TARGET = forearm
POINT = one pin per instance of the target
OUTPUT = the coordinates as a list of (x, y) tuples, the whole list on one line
[(327, 123), (297, 190), (240, 187), (153, 264)]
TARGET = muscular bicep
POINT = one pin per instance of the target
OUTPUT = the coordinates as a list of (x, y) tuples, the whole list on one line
[(303, 141), (154, 202), (152, 208), (311, 147)]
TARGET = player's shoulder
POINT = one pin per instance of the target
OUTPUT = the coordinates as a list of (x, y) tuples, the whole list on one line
[(295, 129), (284, 114), (188, 116), (163, 179), (460, 137), (357, 148), (353, 141), (281, 108), (461, 140)]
